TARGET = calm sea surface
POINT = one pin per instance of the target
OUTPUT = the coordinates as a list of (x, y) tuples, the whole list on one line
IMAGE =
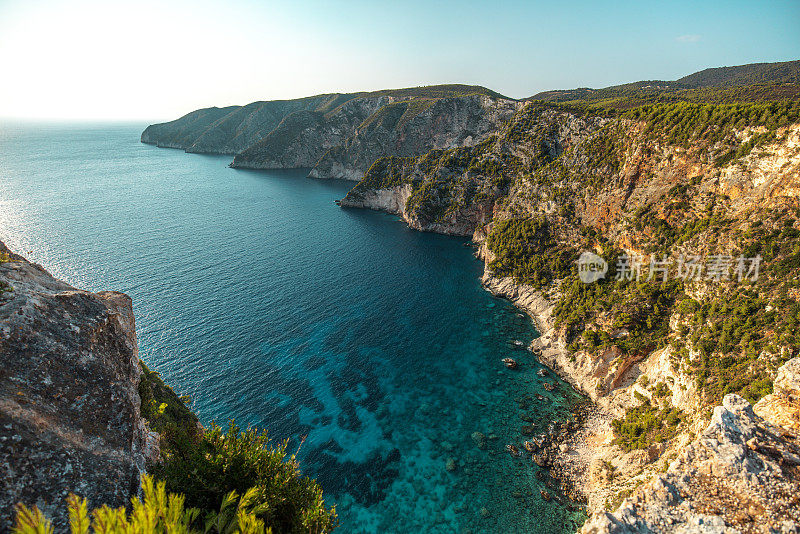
[(265, 302)]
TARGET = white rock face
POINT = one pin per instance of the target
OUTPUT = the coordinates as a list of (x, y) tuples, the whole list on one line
[(742, 474), (782, 407), (447, 123), (391, 200)]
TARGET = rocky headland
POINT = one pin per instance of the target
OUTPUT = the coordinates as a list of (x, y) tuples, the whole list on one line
[(338, 136)]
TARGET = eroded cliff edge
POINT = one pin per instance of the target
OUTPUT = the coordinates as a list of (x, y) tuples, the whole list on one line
[(69, 408)]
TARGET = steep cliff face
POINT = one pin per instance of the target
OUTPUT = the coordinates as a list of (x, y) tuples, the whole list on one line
[(70, 412), (339, 135), (742, 474), (782, 406), (244, 127), (232, 129), (182, 133), (455, 190), (303, 137), (411, 128)]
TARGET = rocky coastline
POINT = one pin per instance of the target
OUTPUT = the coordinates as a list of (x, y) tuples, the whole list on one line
[(741, 474), (570, 451), (666, 367)]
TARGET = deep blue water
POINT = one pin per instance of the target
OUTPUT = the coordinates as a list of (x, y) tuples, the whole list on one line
[(265, 302)]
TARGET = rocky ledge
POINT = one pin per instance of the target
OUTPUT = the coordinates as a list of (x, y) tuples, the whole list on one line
[(742, 474), (69, 407)]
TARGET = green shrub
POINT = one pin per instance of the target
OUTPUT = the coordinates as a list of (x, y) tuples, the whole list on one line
[(525, 250), (158, 512), (235, 460), (645, 425), (206, 465), (165, 411)]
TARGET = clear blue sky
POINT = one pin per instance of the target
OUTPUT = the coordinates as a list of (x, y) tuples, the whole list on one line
[(149, 59)]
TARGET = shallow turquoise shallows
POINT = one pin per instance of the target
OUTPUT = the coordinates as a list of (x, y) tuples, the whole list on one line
[(265, 302)]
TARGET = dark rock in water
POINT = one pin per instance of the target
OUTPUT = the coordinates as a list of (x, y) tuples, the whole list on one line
[(545, 495), (528, 430), (510, 363), (450, 465), (70, 419), (540, 460)]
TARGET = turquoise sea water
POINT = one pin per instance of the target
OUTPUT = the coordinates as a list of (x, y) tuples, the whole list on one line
[(265, 302)]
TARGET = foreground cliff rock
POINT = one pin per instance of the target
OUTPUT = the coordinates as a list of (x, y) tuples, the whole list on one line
[(69, 408), (742, 474)]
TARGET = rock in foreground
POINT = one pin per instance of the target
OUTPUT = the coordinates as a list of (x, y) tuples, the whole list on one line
[(69, 407), (742, 474)]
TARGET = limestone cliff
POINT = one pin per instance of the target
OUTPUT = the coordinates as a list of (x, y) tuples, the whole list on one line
[(411, 128), (742, 474), (232, 129), (642, 173), (70, 412), (339, 135), (302, 138)]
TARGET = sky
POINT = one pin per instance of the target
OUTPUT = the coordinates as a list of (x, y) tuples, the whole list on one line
[(157, 60)]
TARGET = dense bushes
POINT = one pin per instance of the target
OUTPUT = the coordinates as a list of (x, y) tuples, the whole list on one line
[(166, 412), (205, 465), (613, 100), (639, 307), (645, 425), (730, 332), (525, 251), (234, 460), (684, 123), (388, 171)]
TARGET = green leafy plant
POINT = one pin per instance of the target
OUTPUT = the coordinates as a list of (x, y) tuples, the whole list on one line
[(157, 512), (219, 462)]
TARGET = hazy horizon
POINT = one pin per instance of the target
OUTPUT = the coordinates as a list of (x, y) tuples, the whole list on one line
[(137, 62)]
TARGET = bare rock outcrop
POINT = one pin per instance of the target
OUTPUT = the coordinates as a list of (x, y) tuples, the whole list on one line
[(69, 407), (412, 128), (742, 474), (782, 406)]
